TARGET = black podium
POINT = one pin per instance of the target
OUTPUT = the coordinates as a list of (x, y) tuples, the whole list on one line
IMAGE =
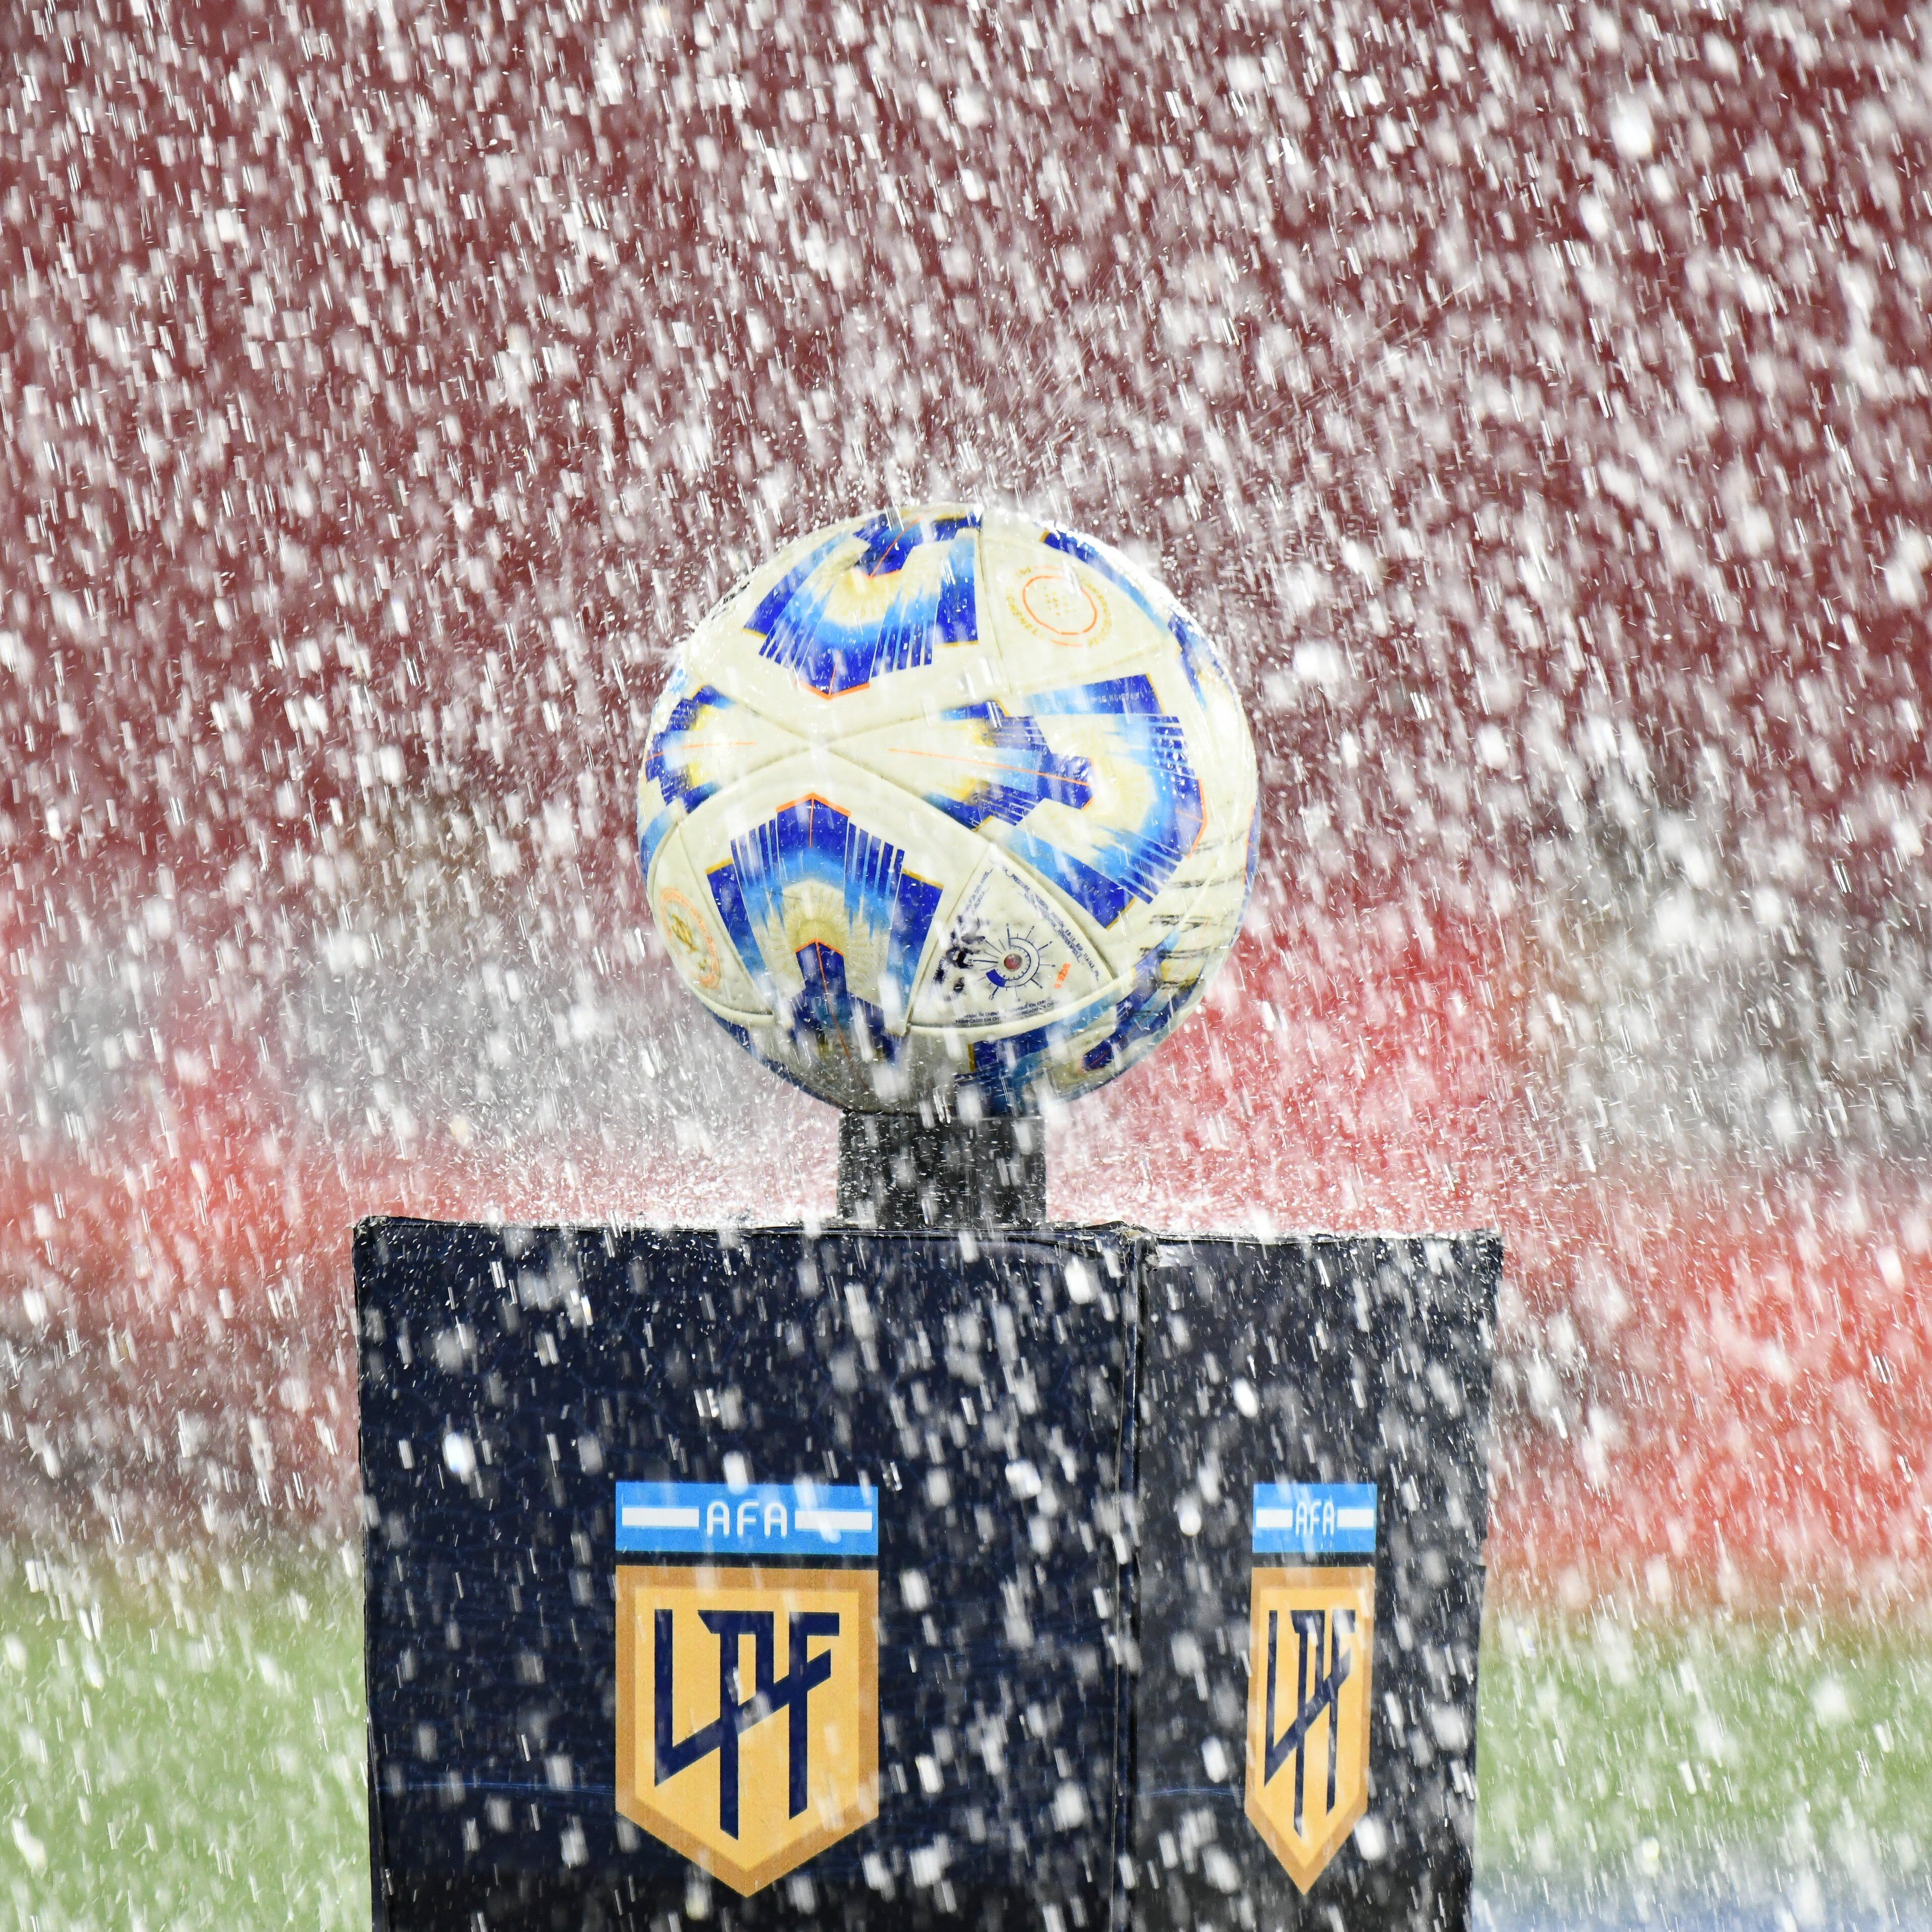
[(1065, 1578)]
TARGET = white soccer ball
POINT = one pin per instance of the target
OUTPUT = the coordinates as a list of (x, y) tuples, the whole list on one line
[(944, 810)]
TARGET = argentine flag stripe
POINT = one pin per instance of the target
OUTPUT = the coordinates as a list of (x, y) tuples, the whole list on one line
[(1315, 1519), (831, 1522), (801, 1519), (638, 1516)]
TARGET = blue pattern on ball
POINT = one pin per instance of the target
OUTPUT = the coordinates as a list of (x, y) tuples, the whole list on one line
[(669, 759), (1030, 770), (801, 632), (813, 843), (1134, 864)]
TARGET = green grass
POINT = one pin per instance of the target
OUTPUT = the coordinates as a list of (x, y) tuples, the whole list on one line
[(1643, 1751), (184, 1749)]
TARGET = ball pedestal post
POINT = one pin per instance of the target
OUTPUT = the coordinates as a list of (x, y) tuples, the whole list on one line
[(901, 1171)]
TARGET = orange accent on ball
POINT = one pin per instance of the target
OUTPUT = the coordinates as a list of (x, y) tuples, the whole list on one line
[(1057, 592)]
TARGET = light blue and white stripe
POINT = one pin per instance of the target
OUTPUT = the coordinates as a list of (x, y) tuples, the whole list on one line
[(800, 1519), (1315, 1519)]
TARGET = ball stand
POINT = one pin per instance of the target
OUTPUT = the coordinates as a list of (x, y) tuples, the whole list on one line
[(1074, 1453), (902, 1172)]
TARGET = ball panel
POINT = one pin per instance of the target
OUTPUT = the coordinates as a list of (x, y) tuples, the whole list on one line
[(1014, 1073), (881, 599), (1092, 789), (868, 623), (1053, 618), (1198, 918), (1141, 816), (695, 936), (986, 769), (1200, 662), (700, 740), (1171, 793), (1229, 777), (833, 888), (1011, 956)]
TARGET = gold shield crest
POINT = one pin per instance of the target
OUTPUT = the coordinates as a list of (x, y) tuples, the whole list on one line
[(1312, 1639), (747, 1712)]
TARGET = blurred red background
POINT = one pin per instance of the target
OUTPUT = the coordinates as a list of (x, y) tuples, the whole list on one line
[(1535, 403)]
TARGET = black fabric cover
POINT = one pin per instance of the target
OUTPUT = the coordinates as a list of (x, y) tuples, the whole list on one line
[(1034, 1408)]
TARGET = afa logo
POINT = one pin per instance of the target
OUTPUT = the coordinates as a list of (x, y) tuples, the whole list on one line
[(1311, 1651), (748, 1699)]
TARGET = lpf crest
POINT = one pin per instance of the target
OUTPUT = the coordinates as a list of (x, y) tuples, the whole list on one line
[(747, 1683), (1311, 1647)]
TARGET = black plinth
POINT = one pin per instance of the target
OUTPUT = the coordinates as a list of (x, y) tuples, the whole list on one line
[(1068, 1438), (898, 1170)]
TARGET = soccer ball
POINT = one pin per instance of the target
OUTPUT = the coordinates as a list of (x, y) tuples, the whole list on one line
[(946, 810)]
